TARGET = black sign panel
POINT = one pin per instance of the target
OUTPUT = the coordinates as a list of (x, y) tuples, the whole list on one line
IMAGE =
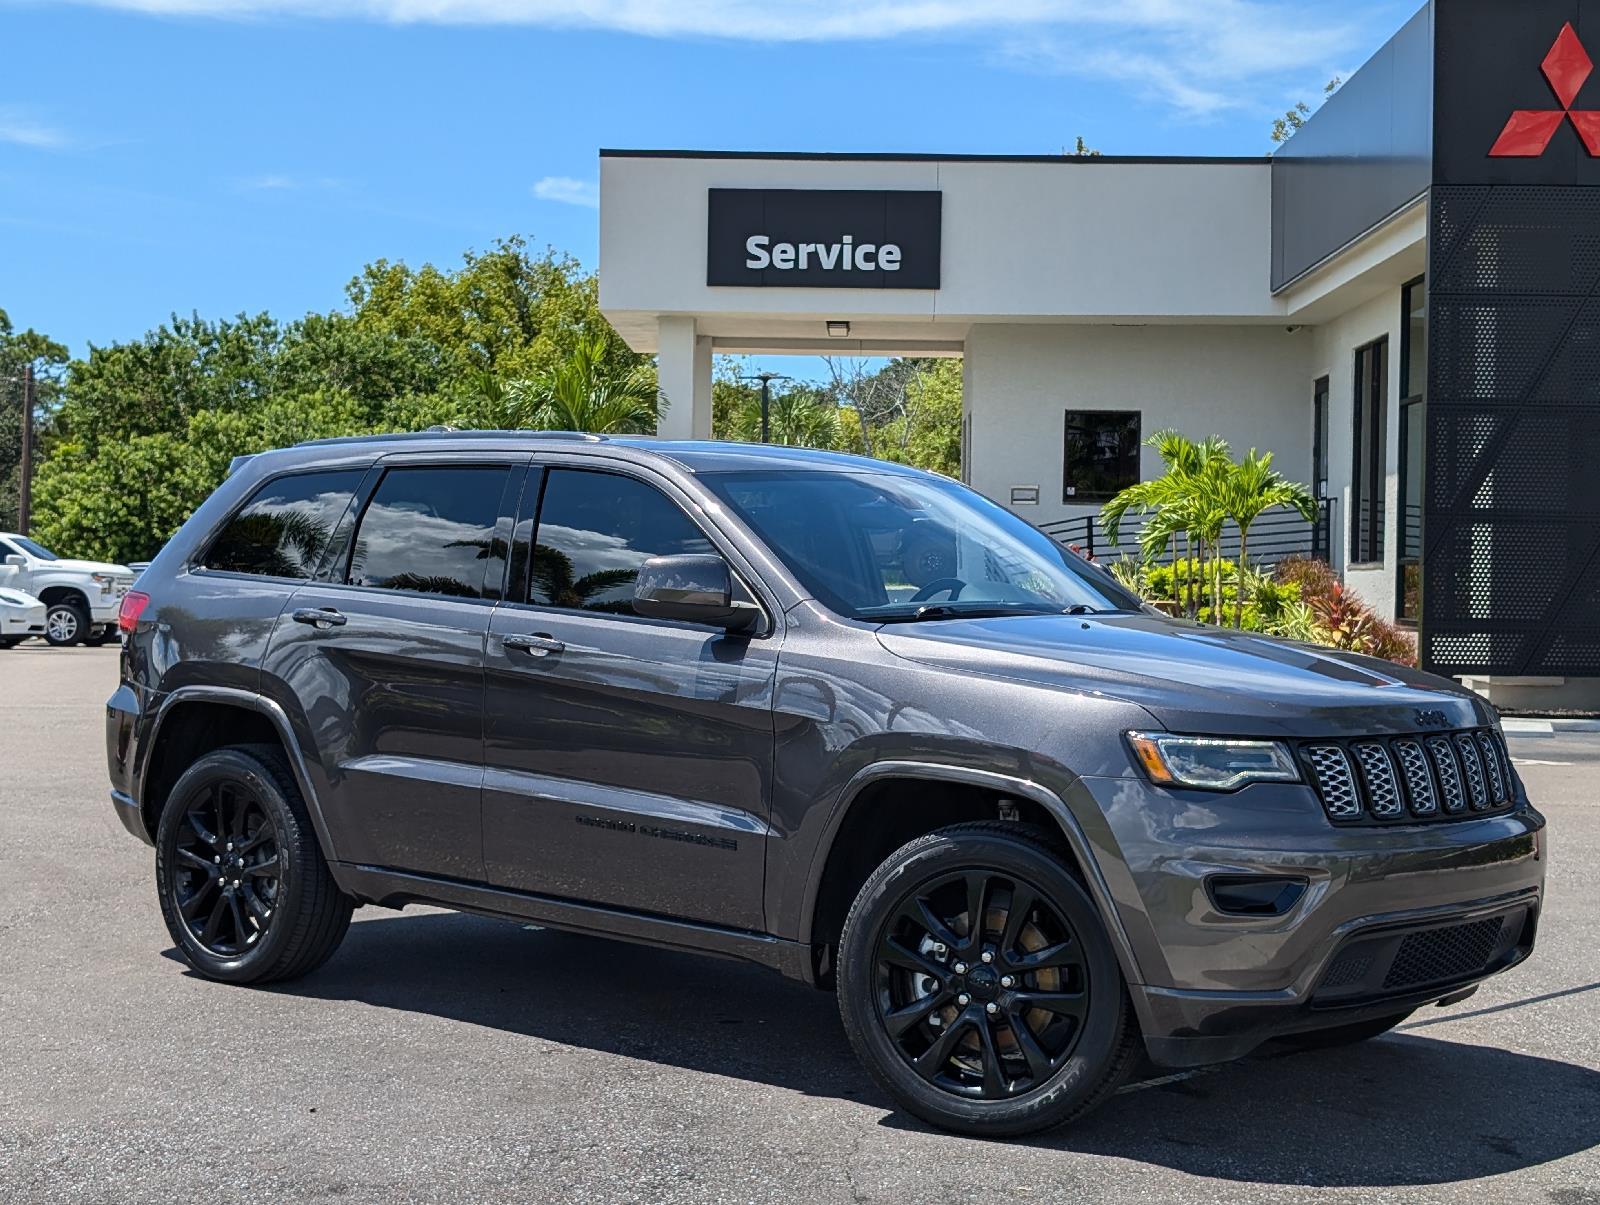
[(1499, 67), (823, 238)]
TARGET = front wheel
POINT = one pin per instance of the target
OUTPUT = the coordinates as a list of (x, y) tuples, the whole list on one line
[(65, 624), (244, 889), (978, 986)]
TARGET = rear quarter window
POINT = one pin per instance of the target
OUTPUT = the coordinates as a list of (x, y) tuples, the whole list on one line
[(283, 530)]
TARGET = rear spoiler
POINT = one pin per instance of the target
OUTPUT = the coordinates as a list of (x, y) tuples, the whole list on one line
[(238, 462)]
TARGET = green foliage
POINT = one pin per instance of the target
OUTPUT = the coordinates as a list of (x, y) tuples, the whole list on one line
[(146, 429), (1283, 128), (584, 392)]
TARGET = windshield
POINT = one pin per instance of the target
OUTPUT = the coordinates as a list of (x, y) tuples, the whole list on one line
[(889, 546), (37, 550)]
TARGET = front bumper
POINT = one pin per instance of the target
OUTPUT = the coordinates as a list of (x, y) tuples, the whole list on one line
[(22, 621), (1210, 985)]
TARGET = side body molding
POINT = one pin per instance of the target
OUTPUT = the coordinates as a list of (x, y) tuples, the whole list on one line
[(1005, 784)]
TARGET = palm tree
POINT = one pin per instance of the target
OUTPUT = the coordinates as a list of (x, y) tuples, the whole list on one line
[(1254, 486), (587, 393), (799, 417)]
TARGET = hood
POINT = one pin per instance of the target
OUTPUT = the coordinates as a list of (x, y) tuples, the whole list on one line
[(65, 566), (1194, 678)]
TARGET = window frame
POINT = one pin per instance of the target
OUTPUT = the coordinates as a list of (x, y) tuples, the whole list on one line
[(1369, 555), (1418, 396), (337, 568), (526, 528), (1098, 497), (196, 562)]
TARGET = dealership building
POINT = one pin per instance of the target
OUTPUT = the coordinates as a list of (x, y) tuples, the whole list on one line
[(1402, 304)]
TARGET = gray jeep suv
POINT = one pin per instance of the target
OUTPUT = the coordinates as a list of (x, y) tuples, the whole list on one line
[(842, 718)]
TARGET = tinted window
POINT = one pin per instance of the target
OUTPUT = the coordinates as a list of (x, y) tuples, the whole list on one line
[(1101, 457), (882, 545), (595, 530), (430, 530), (283, 529)]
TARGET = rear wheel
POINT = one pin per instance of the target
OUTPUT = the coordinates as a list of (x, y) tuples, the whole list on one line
[(102, 635), (244, 889), (978, 986), (65, 623)]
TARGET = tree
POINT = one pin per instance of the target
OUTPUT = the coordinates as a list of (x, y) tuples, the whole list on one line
[(48, 359), (585, 392), (1081, 149), (1254, 486), (1283, 128)]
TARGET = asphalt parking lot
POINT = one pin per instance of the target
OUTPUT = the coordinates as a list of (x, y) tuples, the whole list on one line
[(441, 1057)]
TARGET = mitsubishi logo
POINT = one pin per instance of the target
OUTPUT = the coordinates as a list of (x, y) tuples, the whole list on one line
[(1529, 131)]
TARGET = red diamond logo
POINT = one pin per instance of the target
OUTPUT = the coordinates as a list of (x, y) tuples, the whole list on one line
[(1528, 131)]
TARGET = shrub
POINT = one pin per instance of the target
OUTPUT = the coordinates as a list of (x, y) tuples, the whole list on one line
[(1315, 577)]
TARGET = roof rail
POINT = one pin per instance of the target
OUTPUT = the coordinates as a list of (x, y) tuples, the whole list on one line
[(448, 433)]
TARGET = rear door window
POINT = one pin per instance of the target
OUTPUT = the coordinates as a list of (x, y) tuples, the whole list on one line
[(595, 530), (430, 530), (284, 528)]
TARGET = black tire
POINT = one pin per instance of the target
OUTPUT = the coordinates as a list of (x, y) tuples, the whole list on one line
[(101, 636), (1343, 1035), (978, 1075), (238, 792), (65, 624)]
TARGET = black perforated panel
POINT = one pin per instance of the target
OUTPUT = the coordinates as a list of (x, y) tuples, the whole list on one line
[(1511, 576)]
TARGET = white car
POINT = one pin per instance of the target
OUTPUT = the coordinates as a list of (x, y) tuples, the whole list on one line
[(21, 615), (81, 597)]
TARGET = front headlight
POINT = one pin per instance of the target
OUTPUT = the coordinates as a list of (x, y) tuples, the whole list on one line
[(1211, 763), (105, 581)]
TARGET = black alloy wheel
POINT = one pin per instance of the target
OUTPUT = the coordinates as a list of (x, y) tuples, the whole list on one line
[(243, 886), (978, 985), (225, 883), (982, 984)]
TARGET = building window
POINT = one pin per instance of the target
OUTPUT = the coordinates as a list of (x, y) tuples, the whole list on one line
[(1413, 423), (1101, 457), (1369, 441)]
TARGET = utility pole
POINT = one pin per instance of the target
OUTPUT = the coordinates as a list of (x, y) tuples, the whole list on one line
[(766, 379), (25, 491)]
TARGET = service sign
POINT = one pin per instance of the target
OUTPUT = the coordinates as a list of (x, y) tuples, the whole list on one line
[(823, 238)]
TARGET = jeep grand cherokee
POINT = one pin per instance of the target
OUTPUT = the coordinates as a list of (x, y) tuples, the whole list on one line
[(713, 697)]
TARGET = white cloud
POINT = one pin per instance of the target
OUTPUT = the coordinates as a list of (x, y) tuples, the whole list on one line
[(20, 129), (1198, 56), (568, 191)]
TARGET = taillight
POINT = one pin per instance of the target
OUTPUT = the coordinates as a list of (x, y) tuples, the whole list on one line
[(133, 605)]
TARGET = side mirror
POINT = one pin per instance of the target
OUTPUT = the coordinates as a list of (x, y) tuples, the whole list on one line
[(694, 588), (16, 562)]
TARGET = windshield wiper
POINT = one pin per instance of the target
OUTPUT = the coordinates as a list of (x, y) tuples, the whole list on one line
[(957, 611)]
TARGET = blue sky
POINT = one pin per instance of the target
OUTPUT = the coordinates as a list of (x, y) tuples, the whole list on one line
[(244, 155)]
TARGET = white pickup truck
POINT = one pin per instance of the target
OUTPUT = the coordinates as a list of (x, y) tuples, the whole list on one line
[(82, 597)]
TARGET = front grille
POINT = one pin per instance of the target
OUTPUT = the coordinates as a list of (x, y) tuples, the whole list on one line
[(1437, 955), (1375, 780)]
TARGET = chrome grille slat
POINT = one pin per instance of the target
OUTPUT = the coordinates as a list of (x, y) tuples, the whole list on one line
[(1435, 777), (1335, 783), (1377, 774), (1419, 782), (1472, 771), (1444, 761), (1499, 787)]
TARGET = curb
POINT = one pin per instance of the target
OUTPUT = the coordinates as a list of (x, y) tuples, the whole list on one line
[(1551, 727)]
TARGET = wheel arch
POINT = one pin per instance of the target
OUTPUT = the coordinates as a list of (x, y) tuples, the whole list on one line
[(195, 720), (1037, 801), (50, 595)]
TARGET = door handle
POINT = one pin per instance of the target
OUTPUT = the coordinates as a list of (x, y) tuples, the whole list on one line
[(535, 646), (319, 617)]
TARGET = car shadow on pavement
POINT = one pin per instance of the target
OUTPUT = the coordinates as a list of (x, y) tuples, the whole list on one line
[(1406, 1109)]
